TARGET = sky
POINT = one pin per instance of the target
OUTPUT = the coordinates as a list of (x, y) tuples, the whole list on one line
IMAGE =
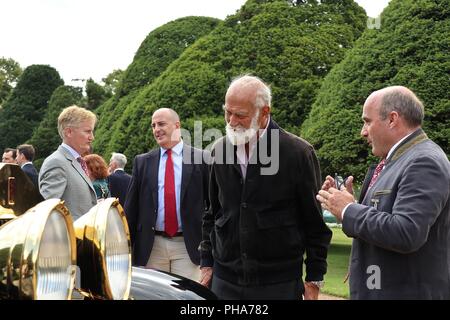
[(85, 39)]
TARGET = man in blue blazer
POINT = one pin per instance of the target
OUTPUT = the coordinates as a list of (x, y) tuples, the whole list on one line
[(166, 199), (401, 227), (118, 180)]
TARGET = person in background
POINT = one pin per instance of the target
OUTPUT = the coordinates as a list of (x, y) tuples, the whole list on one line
[(401, 225), (261, 222), (24, 158), (118, 180), (63, 174), (98, 173), (9, 155)]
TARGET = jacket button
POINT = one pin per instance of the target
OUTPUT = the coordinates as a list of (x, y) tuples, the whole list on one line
[(244, 205)]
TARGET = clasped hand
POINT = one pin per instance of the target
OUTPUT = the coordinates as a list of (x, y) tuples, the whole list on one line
[(335, 200)]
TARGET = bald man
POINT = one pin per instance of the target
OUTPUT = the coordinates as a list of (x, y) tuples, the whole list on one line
[(401, 225), (167, 196)]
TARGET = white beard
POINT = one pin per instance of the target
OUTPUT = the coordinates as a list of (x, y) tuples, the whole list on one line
[(239, 135)]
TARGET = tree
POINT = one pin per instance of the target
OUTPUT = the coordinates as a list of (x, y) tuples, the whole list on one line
[(112, 81), (27, 104), (96, 94), (410, 49), (45, 137), (10, 72)]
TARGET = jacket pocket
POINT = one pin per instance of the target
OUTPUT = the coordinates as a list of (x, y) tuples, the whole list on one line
[(278, 236), (381, 192), (275, 219)]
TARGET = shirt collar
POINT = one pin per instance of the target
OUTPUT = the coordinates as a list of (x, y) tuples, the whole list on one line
[(242, 158), (397, 144), (72, 151), (23, 165), (177, 149)]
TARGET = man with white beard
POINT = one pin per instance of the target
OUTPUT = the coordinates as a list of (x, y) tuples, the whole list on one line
[(261, 222)]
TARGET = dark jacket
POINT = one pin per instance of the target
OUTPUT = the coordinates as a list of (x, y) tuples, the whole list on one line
[(258, 228), (118, 185), (141, 204), (32, 173), (402, 226)]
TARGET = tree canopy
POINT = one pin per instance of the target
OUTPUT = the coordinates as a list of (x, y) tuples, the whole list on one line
[(411, 49), (26, 106), (10, 71)]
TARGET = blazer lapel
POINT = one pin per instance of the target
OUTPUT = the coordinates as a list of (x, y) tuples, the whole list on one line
[(153, 168), (77, 166), (187, 168)]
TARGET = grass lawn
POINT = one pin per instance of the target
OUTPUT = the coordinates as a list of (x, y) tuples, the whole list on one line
[(338, 258)]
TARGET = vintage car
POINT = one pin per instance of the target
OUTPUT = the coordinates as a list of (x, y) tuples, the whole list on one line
[(46, 255)]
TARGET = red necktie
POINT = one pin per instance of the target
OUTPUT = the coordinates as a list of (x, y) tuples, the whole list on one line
[(377, 172), (83, 164), (170, 205)]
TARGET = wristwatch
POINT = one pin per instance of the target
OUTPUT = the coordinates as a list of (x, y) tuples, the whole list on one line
[(318, 284)]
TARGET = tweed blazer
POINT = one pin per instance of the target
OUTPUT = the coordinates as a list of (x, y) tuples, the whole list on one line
[(402, 226)]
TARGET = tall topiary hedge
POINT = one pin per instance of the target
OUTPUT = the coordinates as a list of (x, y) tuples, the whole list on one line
[(411, 49)]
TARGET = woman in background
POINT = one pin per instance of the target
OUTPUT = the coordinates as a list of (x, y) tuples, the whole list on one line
[(98, 173)]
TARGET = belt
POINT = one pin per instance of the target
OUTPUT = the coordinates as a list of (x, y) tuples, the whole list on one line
[(166, 235)]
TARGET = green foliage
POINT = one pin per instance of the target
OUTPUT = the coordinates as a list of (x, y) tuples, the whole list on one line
[(338, 260), (96, 94), (25, 108), (112, 81), (45, 137), (160, 48), (10, 71), (292, 47), (410, 49)]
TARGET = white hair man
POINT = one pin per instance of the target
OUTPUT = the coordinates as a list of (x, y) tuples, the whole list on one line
[(118, 179)]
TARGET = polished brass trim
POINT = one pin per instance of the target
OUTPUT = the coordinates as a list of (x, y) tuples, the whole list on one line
[(90, 232), (19, 250)]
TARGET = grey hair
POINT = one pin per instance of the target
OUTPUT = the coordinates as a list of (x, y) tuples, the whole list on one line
[(263, 93), (120, 159), (405, 102)]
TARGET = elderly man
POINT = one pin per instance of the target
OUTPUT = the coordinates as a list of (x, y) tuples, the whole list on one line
[(263, 217), (118, 180), (401, 226), (64, 173), (166, 199)]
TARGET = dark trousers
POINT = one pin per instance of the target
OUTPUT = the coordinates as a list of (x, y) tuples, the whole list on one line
[(225, 290)]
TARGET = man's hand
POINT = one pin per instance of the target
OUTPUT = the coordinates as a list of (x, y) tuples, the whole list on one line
[(330, 183), (311, 291), (335, 200), (206, 276)]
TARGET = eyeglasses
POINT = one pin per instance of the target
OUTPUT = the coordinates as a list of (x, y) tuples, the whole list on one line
[(339, 181)]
